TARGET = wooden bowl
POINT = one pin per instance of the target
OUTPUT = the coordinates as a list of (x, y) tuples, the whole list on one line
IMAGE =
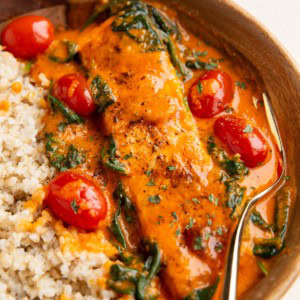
[(228, 24)]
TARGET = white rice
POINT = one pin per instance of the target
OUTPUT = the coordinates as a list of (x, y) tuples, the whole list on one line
[(32, 264)]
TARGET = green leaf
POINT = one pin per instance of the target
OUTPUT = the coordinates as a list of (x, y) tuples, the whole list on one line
[(199, 87), (219, 230), (198, 243), (28, 66), (72, 159), (74, 206), (248, 129), (109, 158), (69, 114), (171, 168), (174, 215), (102, 93), (181, 69), (150, 183), (195, 200), (204, 293), (241, 84), (190, 224), (116, 228), (201, 53), (262, 267), (197, 64), (72, 50), (258, 220), (154, 199), (62, 126), (126, 204)]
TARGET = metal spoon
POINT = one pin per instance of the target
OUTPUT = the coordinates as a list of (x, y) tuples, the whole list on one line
[(233, 254)]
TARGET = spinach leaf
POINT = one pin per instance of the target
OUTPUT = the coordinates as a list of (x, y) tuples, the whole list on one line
[(102, 93), (135, 20), (258, 220), (109, 158), (155, 255), (147, 26), (203, 294), (235, 171), (181, 69), (269, 247), (69, 114), (125, 202), (116, 228), (72, 50), (267, 250), (62, 162), (125, 280)]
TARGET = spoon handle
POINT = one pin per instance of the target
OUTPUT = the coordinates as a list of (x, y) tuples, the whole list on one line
[(233, 254)]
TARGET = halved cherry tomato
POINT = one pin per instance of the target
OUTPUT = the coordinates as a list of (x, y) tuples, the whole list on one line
[(242, 138), (72, 89), (25, 37), (210, 93), (77, 200)]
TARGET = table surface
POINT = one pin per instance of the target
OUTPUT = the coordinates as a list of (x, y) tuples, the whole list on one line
[(282, 18)]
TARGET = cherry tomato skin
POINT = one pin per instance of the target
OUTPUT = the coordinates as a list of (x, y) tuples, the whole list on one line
[(72, 89), (250, 144), (26, 37), (76, 200), (210, 97)]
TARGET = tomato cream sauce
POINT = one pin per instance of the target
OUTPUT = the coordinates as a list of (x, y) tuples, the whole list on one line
[(159, 223)]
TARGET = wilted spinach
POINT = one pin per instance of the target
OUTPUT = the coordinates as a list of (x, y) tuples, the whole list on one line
[(102, 93)]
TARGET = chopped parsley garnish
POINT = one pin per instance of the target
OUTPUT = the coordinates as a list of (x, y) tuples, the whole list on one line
[(28, 66), (171, 168), (154, 199), (199, 87), (150, 183), (178, 232), (248, 129), (209, 222), (174, 215), (213, 199), (190, 224), (195, 200), (206, 235), (164, 187), (198, 243), (241, 84), (74, 206), (219, 247), (148, 173), (219, 230)]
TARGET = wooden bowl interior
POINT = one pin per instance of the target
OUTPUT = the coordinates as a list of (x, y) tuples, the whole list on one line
[(230, 25)]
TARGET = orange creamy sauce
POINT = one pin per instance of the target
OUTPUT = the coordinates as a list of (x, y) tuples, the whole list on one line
[(90, 137)]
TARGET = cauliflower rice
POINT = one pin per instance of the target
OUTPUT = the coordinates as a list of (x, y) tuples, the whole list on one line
[(32, 263)]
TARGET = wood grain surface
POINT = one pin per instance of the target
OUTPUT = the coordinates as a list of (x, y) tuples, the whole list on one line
[(230, 25)]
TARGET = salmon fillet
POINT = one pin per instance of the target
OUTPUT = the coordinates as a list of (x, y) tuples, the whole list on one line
[(169, 166)]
